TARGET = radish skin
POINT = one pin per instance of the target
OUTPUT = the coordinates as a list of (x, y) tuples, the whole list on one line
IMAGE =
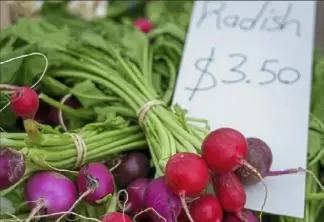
[(51, 192), (116, 217), (24, 102), (260, 157), (207, 208), (144, 25), (97, 181), (250, 217), (230, 192), (12, 167), (186, 174)]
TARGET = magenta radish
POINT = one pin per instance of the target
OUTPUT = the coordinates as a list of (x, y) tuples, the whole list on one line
[(12, 167), (95, 182), (24, 102), (186, 174), (207, 209), (49, 192), (116, 217), (144, 25), (135, 201), (230, 192), (260, 157), (247, 214), (160, 198), (132, 166)]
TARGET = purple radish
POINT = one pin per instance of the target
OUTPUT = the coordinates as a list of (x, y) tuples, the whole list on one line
[(132, 166), (165, 203), (95, 182), (260, 157), (135, 195), (247, 214), (12, 167), (49, 192)]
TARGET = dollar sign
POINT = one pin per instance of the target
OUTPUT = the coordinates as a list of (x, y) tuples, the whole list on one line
[(204, 72)]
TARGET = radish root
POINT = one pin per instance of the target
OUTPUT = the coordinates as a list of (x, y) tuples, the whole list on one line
[(250, 167), (147, 210), (35, 210), (122, 206), (241, 216), (116, 165), (185, 207)]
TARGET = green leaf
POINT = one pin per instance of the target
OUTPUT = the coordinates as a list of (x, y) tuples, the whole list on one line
[(89, 95)]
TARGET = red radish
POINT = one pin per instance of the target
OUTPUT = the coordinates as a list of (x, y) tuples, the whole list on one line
[(116, 217), (12, 167), (207, 208), (186, 174), (248, 215), (24, 102), (95, 182), (165, 203), (132, 166), (144, 25), (49, 192), (230, 192), (260, 157), (225, 150), (135, 201)]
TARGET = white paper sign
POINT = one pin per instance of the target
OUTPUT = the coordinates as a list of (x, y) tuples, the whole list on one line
[(247, 65)]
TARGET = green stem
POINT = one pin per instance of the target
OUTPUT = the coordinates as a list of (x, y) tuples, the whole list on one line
[(79, 113), (315, 196)]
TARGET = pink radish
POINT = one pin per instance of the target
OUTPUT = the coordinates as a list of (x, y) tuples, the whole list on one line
[(12, 167), (144, 25), (95, 182), (24, 102), (165, 204), (186, 174), (207, 208), (116, 217), (230, 192), (49, 192)]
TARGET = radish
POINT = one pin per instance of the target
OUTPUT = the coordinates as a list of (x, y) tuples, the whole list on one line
[(135, 195), (49, 192), (116, 217), (230, 192), (260, 157), (95, 182), (225, 150), (132, 166), (12, 167), (186, 174), (144, 25), (24, 102), (166, 205), (248, 215), (207, 208)]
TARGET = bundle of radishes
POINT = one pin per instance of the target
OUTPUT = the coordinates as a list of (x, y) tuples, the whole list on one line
[(104, 99)]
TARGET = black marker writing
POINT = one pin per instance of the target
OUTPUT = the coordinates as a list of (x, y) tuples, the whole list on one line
[(266, 19), (202, 65)]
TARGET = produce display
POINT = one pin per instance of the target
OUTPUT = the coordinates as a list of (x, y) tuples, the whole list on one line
[(88, 131)]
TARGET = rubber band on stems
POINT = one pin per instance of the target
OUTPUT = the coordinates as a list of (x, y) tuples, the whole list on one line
[(145, 108), (81, 149), (60, 113), (5, 86)]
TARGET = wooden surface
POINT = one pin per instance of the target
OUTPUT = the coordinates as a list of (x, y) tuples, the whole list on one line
[(5, 20)]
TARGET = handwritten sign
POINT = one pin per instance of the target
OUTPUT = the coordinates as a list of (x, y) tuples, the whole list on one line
[(248, 65)]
